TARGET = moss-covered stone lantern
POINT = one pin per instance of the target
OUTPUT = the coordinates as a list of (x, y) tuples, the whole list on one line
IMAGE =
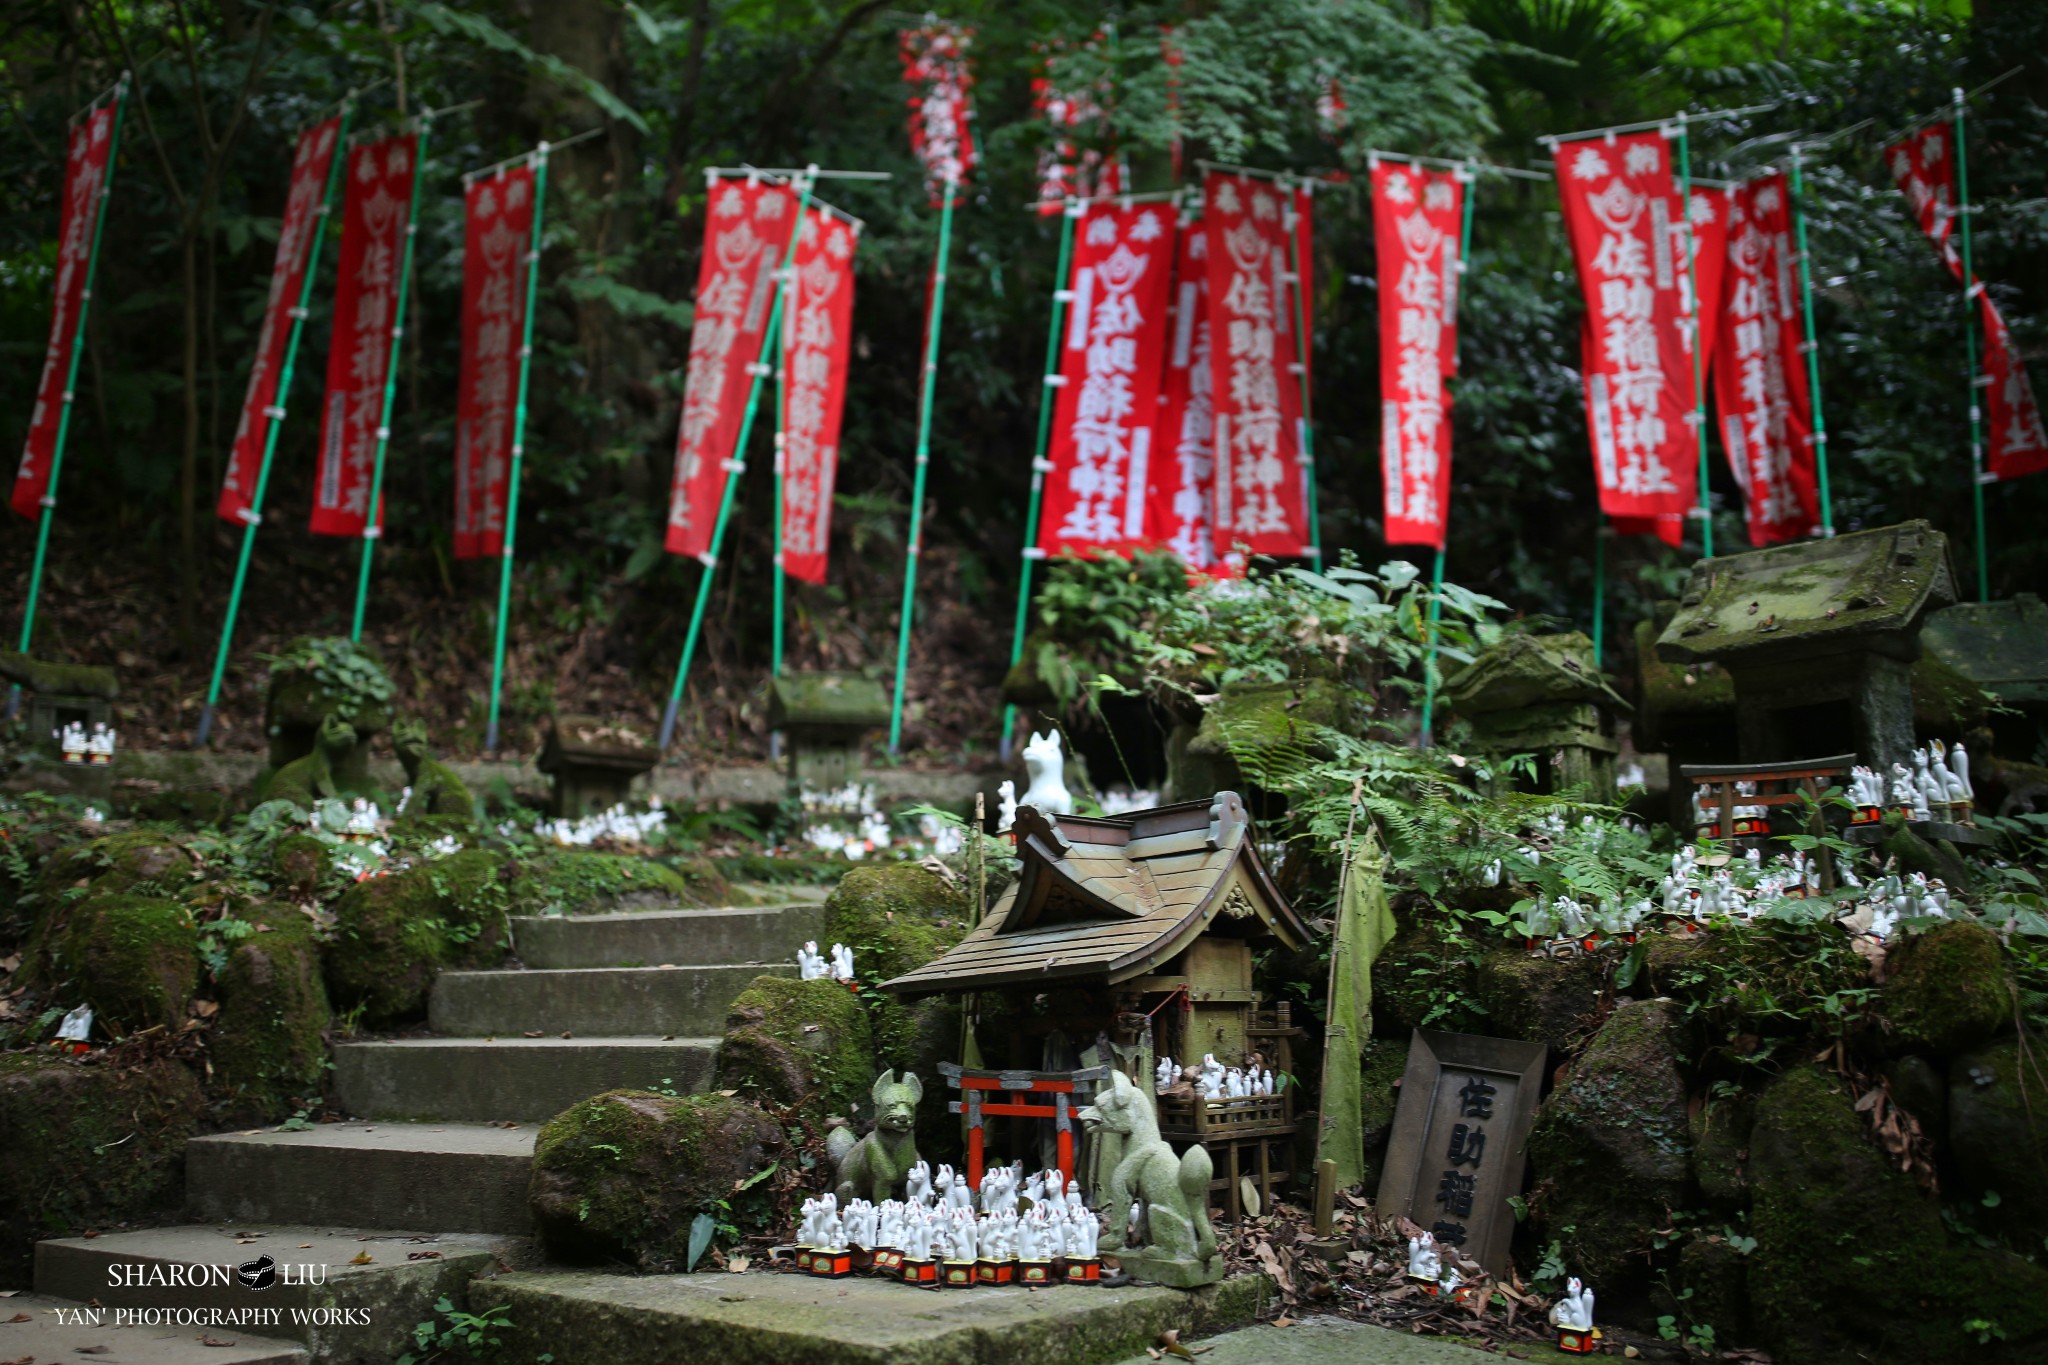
[(824, 716), (1820, 638), (62, 696), (593, 762), (1541, 694)]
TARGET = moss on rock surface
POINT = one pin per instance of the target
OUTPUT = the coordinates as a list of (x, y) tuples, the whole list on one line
[(134, 959), (1610, 1145), (1539, 999), (1998, 1136), (299, 861), (84, 1142), (802, 1045), (1379, 1092), (267, 1045), (622, 1176), (1421, 980), (1852, 1261), (896, 917), (576, 882), (393, 935), (1258, 717), (1948, 988)]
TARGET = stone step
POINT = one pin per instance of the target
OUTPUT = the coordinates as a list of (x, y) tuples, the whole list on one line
[(523, 1080), (591, 1318), (59, 1329), (341, 1312), (684, 938), (448, 1177), (619, 1002)]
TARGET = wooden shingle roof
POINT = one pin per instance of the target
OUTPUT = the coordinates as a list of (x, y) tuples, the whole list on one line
[(1104, 899)]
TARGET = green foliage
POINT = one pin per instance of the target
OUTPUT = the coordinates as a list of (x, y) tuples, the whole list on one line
[(347, 674), (459, 1335)]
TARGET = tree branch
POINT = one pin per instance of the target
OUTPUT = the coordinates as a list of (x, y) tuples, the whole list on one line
[(142, 102)]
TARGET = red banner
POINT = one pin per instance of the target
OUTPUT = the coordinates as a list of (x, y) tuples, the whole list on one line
[(936, 68), (1760, 388), (1924, 166), (1416, 220), (260, 405), (1182, 483), (745, 237), (497, 239), (816, 344), (1110, 361), (1619, 209), (375, 211), (1261, 474), (86, 174)]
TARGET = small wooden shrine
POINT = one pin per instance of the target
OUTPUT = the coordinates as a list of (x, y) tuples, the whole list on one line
[(1139, 929), (1542, 694), (1820, 638), (62, 696)]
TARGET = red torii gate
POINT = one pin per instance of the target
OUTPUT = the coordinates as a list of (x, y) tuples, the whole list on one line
[(1061, 1086)]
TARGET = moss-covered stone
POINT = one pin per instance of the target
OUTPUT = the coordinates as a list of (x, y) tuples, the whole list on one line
[(394, 934), (83, 1143), (1930, 857), (299, 861), (437, 793), (1948, 988), (1380, 1071), (1998, 1136), (803, 1046), (581, 882), (134, 959), (1256, 717), (1853, 1263), (1945, 700), (934, 1036), (622, 1176), (1610, 1146), (62, 679), (1539, 999), (320, 775), (267, 1043), (896, 917), (1720, 1131), (1715, 1275), (1420, 980)]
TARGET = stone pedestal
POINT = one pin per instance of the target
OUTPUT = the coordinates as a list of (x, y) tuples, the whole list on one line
[(593, 763)]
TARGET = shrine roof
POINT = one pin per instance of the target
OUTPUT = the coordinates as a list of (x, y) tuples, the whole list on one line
[(2000, 646), (1103, 899), (1813, 598), (1531, 670)]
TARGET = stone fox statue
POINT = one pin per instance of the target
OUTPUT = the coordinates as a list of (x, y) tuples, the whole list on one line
[(876, 1167), (1174, 1190), (310, 779)]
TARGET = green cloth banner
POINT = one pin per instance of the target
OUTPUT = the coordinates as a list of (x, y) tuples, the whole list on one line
[(1364, 925)]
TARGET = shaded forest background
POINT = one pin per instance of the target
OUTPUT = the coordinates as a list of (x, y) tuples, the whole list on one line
[(139, 565)]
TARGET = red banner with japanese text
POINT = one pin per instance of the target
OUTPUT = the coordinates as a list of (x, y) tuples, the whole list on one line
[(86, 174), (936, 68), (1261, 473), (1924, 167), (304, 201), (496, 247), (1760, 389), (745, 236), (816, 345), (1620, 209), (1182, 484), (1107, 410), (375, 210), (1416, 221)]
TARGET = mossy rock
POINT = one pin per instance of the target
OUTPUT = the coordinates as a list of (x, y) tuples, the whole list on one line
[(134, 959), (299, 862), (267, 1043), (798, 1045), (1262, 716), (934, 1036), (394, 934), (581, 882), (896, 917), (1380, 1072), (1945, 700), (1539, 999), (1421, 980), (1853, 1262), (1715, 1276), (84, 1143), (1998, 1136), (1611, 1146), (623, 1175), (1721, 1131), (1948, 988), (1747, 982)]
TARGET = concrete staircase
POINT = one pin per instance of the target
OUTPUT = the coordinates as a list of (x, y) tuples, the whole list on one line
[(442, 1142)]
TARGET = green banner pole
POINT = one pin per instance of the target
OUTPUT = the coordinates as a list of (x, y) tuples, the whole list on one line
[(92, 262), (1062, 295), (1820, 422), (373, 516), (1430, 676), (1970, 291), (1600, 533), (1699, 311), (540, 202), (781, 471), (254, 516), (924, 457), (771, 337), (1298, 285)]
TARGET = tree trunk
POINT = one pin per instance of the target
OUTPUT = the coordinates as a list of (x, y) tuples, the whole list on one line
[(188, 474)]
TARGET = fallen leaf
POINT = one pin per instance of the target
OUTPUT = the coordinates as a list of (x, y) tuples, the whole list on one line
[(305, 1246), (95, 1350), (20, 1360), (1283, 1321), (567, 1034), (1629, 1351), (360, 1258), (22, 1317), (205, 1340), (812, 1028), (737, 1264), (243, 1241), (533, 1033), (422, 1255)]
